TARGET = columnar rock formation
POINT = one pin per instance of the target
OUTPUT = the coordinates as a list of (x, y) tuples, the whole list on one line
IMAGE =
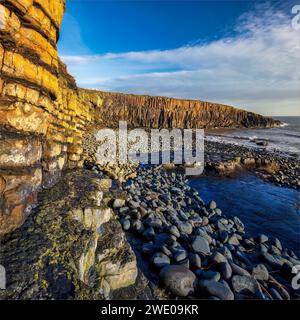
[(43, 115), (162, 112)]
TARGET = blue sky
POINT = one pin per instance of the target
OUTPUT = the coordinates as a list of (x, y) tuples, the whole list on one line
[(243, 53)]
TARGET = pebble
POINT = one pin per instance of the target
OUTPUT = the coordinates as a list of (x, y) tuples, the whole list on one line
[(217, 257), (225, 270), (160, 260), (126, 224), (262, 238), (118, 203), (195, 260), (174, 231), (200, 245), (208, 275), (216, 289), (244, 284), (233, 240), (185, 227), (191, 242), (178, 279), (260, 272), (212, 205), (237, 270), (180, 255)]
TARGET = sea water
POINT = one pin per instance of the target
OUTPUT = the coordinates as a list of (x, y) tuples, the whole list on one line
[(263, 207)]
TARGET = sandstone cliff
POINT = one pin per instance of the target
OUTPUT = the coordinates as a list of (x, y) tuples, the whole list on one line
[(43, 115)]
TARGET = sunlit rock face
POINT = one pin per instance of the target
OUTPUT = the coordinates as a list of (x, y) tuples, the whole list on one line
[(44, 116), (162, 112)]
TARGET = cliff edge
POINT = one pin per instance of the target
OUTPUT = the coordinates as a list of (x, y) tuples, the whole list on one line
[(44, 116)]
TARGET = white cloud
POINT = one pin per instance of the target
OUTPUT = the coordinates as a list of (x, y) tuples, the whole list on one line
[(257, 68)]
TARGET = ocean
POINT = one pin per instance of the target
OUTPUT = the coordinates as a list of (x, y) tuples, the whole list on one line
[(285, 139), (262, 206)]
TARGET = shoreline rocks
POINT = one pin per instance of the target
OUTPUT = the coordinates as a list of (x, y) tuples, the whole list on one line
[(182, 231), (274, 167)]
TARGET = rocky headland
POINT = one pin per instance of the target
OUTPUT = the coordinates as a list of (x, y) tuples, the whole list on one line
[(72, 229)]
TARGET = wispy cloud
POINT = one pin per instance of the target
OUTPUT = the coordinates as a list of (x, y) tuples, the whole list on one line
[(257, 68)]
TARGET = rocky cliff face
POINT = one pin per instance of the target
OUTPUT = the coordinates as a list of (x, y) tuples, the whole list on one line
[(43, 115), (162, 112)]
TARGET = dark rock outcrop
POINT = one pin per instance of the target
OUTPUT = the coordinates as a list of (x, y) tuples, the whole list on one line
[(163, 112)]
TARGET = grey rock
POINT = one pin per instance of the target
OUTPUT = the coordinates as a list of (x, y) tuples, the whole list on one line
[(208, 275), (212, 205), (123, 210), (216, 289), (178, 279), (278, 244), (217, 257), (174, 231), (223, 236), (118, 203), (138, 226), (185, 227), (262, 238), (205, 221), (239, 224), (260, 272), (233, 240), (195, 260), (200, 245), (180, 255), (218, 211), (185, 263), (275, 261), (244, 285), (126, 224), (165, 250), (237, 270), (153, 222), (226, 252), (133, 204), (221, 226), (160, 260), (225, 270)]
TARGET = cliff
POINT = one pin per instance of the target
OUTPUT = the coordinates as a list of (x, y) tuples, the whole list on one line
[(43, 115), (163, 112)]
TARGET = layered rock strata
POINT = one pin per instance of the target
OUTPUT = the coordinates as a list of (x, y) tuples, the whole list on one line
[(44, 116), (72, 247)]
